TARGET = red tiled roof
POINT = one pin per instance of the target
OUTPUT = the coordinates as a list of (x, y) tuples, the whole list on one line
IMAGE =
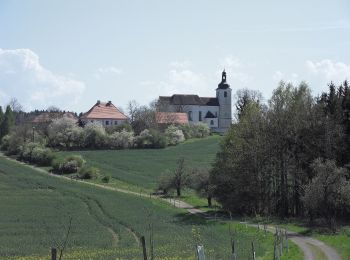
[(47, 117), (171, 117), (104, 111)]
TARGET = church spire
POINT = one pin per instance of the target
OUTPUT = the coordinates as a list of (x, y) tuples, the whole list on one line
[(223, 77)]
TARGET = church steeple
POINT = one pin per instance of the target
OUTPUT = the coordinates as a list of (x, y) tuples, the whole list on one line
[(223, 77), (223, 84)]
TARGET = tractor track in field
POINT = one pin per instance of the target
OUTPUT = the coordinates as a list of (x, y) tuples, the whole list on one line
[(308, 245)]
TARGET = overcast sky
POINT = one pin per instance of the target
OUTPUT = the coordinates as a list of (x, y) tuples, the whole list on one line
[(72, 53)]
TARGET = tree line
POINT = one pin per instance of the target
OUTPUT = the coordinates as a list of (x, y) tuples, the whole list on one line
[(289, 156)]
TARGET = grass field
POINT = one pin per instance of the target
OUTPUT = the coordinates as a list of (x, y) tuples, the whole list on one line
[(139, 169), (35, 209)]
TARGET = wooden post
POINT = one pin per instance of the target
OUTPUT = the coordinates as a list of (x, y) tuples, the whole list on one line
[(253, 251), (286, 234), (233, 250), (53, 253), (143, 243)]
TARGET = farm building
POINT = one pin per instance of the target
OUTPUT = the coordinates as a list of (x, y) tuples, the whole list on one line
[(105, 113)]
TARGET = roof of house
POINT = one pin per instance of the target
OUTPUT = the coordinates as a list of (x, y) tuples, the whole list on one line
[(171, 118), (180, 99), (47, 117), (104, 111)]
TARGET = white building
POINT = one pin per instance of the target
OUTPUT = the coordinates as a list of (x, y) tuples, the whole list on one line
[(214, 111), (104, 113)]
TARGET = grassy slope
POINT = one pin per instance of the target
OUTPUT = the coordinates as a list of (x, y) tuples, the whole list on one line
[(141, 168), (35, 209)]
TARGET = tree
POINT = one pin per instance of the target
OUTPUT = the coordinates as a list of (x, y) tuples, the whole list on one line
[(132, 109), (1, 120), (15, 105), (8, 121), (244, 97), (328, 193), (177, 179), (200, 181)]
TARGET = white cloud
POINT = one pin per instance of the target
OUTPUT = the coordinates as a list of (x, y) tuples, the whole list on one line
[(107, 71), (329, 70), (22, 76), (289, 78), (180, 64)]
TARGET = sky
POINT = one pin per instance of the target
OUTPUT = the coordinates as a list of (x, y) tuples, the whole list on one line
[(70, 54)]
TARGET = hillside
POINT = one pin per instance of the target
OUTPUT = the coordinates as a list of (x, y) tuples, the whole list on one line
[(140, 168), (105, 224)]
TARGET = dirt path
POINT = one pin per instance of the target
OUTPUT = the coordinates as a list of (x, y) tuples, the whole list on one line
[(307, 244)]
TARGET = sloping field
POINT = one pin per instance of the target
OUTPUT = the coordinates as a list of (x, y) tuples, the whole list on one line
[(35, 209), (142, 167)]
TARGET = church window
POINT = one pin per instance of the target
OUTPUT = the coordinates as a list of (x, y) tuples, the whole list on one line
[(115, 122), (211, 122), (190, 115), (107, 122), (200, 116), (225, 94)]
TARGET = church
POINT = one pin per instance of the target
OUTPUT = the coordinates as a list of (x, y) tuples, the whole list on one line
[(216, 112)]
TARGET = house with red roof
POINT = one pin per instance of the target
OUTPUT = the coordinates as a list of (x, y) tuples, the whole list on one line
[(106, 114)]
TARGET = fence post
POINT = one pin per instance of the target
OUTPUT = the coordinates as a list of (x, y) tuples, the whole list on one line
[(53, 253), (253, 251), (233, 250), (143, 243), (286, 235), (200, 253)]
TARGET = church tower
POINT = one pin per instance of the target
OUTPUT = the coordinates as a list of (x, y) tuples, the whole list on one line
[(223, 94)]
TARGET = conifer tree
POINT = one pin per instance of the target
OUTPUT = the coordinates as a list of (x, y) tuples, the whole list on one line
[(7, 122)]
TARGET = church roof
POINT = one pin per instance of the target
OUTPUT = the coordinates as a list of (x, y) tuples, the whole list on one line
[(104, 111), (171, 118), (179, 99)]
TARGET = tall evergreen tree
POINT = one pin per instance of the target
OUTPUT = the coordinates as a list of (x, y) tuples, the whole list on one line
[(7, 122), (1, 120)]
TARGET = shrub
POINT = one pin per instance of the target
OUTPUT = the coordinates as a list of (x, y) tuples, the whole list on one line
[(36, 153), (70, 164), (121, 140), (197, 130), (95, 135), (151, 139), (88, 173), (174, 135), (118, 128), (106, 179), (60, 132)]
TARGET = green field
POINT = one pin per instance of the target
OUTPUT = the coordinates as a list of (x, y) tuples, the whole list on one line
[(140, 168), (35, 209)]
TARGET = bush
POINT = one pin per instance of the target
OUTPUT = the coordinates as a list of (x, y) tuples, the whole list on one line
[(88, 173), (174, 135), (118, 128), (36, 153), (105, 179), (95, 135), (121, 140), (70, 164), (60, 132), (151, 139), (197, 130)]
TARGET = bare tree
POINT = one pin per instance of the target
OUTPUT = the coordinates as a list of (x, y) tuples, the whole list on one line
[(132, 109), (15, 105)]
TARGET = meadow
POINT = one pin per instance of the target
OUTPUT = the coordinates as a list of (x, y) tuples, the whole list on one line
[(139, 169), (36, 208)]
